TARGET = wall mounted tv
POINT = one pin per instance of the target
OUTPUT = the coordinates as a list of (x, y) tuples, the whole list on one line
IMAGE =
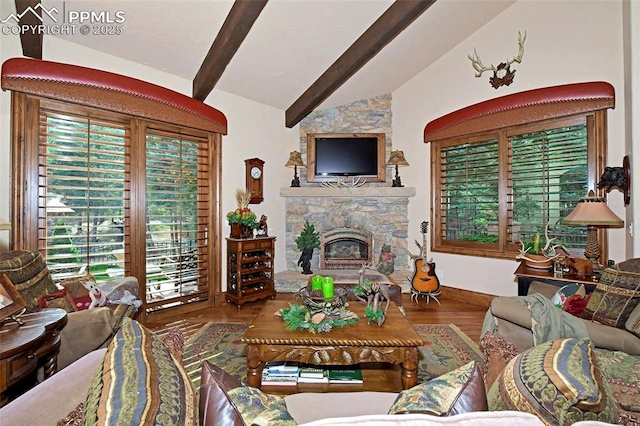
[(330, 155)]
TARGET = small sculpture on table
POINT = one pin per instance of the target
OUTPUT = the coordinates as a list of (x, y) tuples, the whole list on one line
[(262, 230), (372, 294)]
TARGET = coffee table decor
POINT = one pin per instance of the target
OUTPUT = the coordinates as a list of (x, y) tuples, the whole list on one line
[(320, 312)]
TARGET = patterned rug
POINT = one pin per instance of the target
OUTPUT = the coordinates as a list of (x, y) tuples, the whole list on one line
[(445, 348)]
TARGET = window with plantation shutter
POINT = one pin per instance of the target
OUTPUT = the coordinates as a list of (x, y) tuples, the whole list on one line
[(500, 187), (177, 182), (114, 196)]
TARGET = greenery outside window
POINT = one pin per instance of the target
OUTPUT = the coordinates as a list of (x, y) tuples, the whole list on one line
[(495, 188)]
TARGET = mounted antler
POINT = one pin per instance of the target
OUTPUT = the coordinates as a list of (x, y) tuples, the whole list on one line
[(502, 74)]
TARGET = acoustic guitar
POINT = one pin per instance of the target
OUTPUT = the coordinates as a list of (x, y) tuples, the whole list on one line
[(424, 278)]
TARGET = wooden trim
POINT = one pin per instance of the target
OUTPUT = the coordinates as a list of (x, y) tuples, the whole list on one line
[(215, 223), (467, 296), (311, 155), (392, 22), (235, 28)]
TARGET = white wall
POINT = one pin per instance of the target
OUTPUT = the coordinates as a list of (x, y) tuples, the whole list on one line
[(254, 130), (567, 42)]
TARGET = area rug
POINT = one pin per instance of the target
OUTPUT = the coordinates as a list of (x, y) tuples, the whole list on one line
[(445, 348)]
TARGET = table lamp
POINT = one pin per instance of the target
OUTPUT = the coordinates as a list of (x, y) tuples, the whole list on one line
[(593, 212), (295, 161), (396, 158)]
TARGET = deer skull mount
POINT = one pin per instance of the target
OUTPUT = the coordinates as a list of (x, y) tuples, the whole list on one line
[(502, 74)]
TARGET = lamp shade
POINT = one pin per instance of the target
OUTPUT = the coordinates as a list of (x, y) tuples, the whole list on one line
[(295, 159), (594, 211), (396, 158)]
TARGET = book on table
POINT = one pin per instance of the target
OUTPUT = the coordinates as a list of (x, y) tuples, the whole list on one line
[(349, 375), (312, 372), (283, 367), (279, 379)]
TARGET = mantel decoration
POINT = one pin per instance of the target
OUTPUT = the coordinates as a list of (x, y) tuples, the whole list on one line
[(540, 256), (242, 220), (396, 158), (295, 161), (502, 74)]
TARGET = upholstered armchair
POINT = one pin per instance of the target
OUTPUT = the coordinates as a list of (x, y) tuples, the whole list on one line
[(86, 330)]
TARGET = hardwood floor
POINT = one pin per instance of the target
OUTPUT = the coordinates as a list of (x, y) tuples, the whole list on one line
[(468, 317)]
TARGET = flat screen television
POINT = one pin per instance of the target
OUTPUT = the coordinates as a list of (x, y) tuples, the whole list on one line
[(358, 155)]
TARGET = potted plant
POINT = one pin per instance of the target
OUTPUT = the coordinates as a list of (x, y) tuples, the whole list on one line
[(308, 240), (242, 220)]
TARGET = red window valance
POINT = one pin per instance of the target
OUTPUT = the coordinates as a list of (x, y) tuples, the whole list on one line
[(109, 91), (521, 108)]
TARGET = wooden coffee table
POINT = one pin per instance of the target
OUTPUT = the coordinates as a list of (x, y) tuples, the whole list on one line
[(396, 343)]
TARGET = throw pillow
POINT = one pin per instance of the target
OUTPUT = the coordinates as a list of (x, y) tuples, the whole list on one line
[(575, 304), (497, 354), (78, 292), (225, 401), (615, 297), (459, 391), (74, 418), (633, 323), (60, 299), (140, 383), (173, 339), (29, 274), (559, 381)]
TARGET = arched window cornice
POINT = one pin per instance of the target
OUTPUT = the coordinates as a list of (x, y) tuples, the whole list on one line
[(109, 91), (521, 108)]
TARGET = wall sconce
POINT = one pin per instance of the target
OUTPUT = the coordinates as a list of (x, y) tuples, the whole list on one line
[(618, 177), (295, 161), (396, 158), (593, 212)]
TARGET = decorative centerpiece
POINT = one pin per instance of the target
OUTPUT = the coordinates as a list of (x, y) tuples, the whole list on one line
[(318, 313), (537, 256), (242, 220)]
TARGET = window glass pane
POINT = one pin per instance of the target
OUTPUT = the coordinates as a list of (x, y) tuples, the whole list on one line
[(83, 191), (177, 185), (548, 177), (469, 195)]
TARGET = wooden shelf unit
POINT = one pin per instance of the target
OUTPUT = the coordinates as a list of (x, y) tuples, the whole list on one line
[(250, 264)]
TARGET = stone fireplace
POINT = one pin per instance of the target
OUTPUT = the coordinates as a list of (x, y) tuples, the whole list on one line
[(345, 248), (354, 224)]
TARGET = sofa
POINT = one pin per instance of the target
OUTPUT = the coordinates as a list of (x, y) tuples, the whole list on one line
[(138, 379), (610, 319), (86, 330)]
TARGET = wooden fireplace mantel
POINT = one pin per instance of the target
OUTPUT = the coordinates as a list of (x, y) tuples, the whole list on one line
[(365, 191)]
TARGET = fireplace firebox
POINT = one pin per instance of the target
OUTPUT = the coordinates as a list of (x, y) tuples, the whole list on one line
[(345, 248)]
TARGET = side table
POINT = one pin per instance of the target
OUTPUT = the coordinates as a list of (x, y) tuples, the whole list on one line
[(527, 275), (24, 348)]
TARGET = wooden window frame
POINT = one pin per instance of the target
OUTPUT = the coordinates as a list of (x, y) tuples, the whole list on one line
[(25, 184), (515, 113)]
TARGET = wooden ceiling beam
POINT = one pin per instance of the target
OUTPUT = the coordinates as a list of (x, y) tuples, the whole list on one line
[(235, 28), (31, 40), (391, 23)]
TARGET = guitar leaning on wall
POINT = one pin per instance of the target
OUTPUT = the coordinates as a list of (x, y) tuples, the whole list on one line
[(424, 278)]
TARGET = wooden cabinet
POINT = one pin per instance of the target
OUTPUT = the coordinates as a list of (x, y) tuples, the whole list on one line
[(250, 264)]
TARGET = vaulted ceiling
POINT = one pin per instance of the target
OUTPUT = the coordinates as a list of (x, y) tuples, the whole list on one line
[(274, 51)]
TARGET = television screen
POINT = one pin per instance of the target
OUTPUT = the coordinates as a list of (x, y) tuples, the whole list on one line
[(346, 156)]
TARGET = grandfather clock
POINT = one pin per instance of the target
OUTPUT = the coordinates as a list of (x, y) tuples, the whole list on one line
[(255, 179)]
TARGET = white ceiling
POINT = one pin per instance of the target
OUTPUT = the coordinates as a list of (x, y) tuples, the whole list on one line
[(291, 44)]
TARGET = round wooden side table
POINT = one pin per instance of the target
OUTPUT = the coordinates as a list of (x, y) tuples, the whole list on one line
[(53, 320), (17, 354)]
